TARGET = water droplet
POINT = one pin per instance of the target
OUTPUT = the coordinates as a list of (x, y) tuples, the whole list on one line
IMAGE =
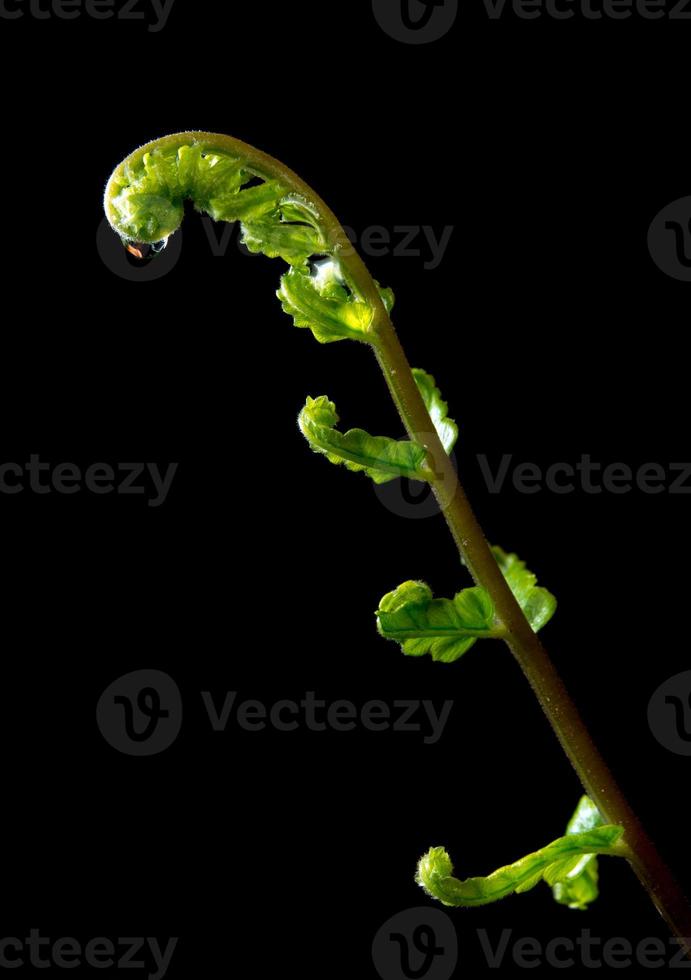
[(143, 252)]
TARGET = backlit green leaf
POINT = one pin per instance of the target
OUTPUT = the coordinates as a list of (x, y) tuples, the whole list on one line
[(575, 884), (447, 430), (320, 301), (383, 459), (444, 628), (379, 457), (537, 603), (435, 870)]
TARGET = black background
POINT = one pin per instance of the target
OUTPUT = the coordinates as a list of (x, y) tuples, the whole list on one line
[(549, 146)]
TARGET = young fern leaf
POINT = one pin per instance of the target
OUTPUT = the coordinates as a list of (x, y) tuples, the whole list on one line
[(576, 885), (447, 628), (381, 458), (538, 604), (447, 430), (435, 870), (320, 301), (444, 628)]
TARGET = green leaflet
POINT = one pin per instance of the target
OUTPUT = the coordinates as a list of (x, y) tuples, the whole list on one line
[(379, 457), (537, 603), (320, 301), (447, 430), (576, 885), (388, 299), (447, 628), (444, 628), (295, 238), (435, 870), (281, 241)]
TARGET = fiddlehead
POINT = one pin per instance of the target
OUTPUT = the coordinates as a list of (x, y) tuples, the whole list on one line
[(566, 864), (146, 194), (279, 215)]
